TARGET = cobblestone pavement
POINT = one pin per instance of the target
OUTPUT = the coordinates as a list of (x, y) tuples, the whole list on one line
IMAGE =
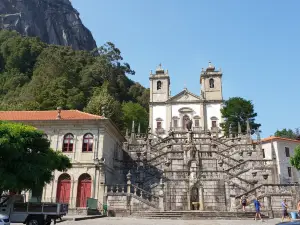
[(134, 221)]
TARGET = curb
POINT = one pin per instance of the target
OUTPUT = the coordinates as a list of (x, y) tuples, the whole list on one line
[(83, 218)]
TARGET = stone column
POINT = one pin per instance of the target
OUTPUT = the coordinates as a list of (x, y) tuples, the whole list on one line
[(233, 206), (74, 190), (101, 194), (268, 206), (227, 196), (151, 116), (161, 196), (201, 198), (129, 200), (168, 117), (189, 198)]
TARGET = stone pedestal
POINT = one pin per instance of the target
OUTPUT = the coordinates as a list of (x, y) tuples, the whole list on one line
[(233, 206), (201, 198), (161, 201)]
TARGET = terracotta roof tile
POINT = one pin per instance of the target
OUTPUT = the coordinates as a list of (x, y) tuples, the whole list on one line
[(47, 115), (273, 138)]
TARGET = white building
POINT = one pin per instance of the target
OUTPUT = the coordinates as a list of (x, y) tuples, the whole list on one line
[(281, 149), (94, 145), (168, 111)]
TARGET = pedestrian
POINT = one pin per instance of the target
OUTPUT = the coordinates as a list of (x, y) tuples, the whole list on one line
[(257, 209), (284, 211), (298, 208), (244, 202)]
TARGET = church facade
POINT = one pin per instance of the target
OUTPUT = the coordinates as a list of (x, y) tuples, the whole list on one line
[(171, 112)]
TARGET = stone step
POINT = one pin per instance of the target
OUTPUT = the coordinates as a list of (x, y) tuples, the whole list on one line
[(195, 215)]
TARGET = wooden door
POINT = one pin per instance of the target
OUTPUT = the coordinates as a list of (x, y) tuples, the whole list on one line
[(63, 191), (84, 192), (195, 198)]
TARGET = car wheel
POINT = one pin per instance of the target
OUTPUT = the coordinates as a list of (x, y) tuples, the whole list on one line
[(33, 222)]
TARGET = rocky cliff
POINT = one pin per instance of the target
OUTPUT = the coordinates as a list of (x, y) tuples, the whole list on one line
[(54, 21)]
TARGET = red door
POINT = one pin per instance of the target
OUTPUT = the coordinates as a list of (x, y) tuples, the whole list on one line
[(63, 191), (84, 192)]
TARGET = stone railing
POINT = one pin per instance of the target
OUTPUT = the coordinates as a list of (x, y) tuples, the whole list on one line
[(271, 195), (134, 191)]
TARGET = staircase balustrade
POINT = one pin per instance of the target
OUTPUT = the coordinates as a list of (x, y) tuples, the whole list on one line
[(135, 191)]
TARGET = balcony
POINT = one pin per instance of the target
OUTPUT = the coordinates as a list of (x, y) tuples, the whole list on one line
[(159, 130), (215, 129), (183, 129)]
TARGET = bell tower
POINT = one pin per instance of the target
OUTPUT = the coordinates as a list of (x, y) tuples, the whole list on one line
[(211, 83), (211, 94), (159, 85), (159, 112)]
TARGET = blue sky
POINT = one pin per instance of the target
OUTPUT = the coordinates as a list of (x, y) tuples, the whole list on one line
[(255, 42)]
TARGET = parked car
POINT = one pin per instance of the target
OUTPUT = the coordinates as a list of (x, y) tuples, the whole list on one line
[(4, 220)]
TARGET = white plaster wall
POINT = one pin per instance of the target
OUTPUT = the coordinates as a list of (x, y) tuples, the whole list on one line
[(268, 150), (282, 161), (177, 107), (213, 109), (112, 151), (159, 111)]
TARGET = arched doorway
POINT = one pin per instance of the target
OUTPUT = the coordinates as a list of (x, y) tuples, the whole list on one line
[(84, 190), (185, 118), (195, 198), (63, 188)]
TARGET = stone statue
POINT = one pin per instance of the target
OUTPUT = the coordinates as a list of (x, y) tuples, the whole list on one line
[(188, 124)]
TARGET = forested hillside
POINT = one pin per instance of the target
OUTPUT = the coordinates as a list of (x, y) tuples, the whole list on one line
[(38, 76)]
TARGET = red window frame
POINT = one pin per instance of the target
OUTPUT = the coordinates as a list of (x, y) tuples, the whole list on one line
[(68, 143), (88, 142)]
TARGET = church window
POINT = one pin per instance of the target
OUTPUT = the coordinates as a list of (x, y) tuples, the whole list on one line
[(68, 143), (214, 123), (287, 152), (158, 124), (88, 141), (211, 83), (263, 153), (158, 85), (289, 171), (197, 123)]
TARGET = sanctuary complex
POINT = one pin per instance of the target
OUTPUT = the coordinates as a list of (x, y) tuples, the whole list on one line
[(184, 163)]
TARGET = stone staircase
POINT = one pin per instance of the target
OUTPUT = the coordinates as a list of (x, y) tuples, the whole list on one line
[(194, 215)]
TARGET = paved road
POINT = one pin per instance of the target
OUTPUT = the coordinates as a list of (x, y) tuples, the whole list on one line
[(133, 221)]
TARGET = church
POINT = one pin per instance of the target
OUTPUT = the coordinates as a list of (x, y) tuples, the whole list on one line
[(171, 112)]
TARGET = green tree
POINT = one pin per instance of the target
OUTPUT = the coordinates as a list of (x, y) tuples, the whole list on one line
[(295, 159), (134, 112), (141, 95), (102, 103), (26, 159), (37, 76), (238, 110), (288, 133)]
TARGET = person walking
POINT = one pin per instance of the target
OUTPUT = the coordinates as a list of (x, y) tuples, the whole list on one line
[(285, 211), (243, 202), (257, 206)]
